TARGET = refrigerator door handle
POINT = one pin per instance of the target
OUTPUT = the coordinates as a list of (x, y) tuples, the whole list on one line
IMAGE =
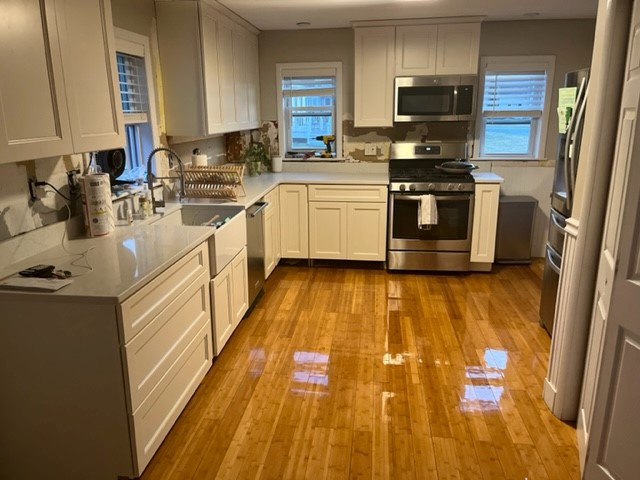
[(567, 148), (576, 141)]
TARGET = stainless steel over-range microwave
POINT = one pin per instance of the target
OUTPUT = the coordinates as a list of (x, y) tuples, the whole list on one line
[(427, 99)]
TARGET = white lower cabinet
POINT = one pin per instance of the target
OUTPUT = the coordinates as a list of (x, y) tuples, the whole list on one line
[(294, 234), (485, 221), (229, 297), (347, 222), (328, 230), (367, 231), (272, 247), (106, 381)]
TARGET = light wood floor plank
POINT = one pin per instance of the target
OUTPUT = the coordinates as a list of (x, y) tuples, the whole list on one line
[(364, 374)]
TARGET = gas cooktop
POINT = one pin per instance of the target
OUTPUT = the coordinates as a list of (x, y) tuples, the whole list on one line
[(413, 168)]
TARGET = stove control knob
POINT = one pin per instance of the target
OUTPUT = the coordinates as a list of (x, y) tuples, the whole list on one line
[(412, 187), (460, 186), (450, 186), (403, 187), (431, 187)]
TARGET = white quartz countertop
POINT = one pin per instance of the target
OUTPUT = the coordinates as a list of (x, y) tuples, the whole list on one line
[(487, 177), (256, 187), (121, 263)]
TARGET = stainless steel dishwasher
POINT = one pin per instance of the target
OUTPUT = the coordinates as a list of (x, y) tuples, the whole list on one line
[(255, 250)]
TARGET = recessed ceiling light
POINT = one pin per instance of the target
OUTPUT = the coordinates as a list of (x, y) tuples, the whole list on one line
[(303, 24)]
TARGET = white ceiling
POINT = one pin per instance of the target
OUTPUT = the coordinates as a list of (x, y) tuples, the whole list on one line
[(284, 14)]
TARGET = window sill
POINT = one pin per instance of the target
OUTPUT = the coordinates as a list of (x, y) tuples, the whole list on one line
[(508, 159)]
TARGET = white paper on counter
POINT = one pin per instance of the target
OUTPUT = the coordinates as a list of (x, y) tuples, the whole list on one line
[(18, 282)]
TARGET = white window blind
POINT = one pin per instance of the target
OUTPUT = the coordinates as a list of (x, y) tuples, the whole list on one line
[(133, 88), (518, 93)]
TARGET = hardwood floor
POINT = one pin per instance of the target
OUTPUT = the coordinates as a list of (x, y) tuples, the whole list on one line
[(360, 373)]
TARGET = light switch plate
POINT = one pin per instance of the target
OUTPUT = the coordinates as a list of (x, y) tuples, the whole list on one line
[(370, 149)]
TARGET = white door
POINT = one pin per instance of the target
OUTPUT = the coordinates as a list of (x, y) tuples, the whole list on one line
[(614, 438), (609, 251)]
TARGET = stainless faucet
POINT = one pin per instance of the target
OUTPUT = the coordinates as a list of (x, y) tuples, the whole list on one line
[(150, 177)]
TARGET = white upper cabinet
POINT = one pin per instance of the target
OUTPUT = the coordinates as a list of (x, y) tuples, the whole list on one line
[(447, 49), (91, 76), (58, 79), (374, 72), (458, 49), (416, 50), (209, 66)]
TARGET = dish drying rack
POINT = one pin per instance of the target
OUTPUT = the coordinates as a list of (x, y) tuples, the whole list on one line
[(214, 181)]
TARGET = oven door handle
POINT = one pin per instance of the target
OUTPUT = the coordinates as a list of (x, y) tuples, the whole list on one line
[(417, 198)]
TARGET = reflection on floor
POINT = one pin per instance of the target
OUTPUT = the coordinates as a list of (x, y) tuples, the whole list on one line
[(359, 373)]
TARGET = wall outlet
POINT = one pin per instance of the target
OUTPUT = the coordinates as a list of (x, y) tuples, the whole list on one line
[(370, 149)]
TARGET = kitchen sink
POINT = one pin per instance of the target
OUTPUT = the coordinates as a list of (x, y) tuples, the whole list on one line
[(230, 225)]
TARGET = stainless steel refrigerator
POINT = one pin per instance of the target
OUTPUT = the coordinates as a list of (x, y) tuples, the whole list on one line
[(564, 182)]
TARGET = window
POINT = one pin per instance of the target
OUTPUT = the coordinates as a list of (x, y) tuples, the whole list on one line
[(136, 96), (309, 107), (515, 98)]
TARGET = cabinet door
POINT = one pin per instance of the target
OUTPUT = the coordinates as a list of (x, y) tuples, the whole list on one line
[(253, 81), (293, 208), (458, 49), (90, 74), (223, 314), (485, 220), (34, 121), (367, 231), (240, 286), (374, 72), (271, 232), (328, 230), (227, 74), (240, 74), (416, 50), (210, 27)]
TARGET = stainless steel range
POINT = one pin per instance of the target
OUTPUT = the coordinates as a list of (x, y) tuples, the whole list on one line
[(415, 172)]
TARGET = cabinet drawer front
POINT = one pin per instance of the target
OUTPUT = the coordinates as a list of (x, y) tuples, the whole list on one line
[(143, 306), (157, 414), (150, 354), (348, 193)]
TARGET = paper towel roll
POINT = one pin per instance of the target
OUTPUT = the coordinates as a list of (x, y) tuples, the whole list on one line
[(98, 209), (276, 163), (199, 160)]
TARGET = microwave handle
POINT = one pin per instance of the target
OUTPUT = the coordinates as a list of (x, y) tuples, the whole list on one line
[(455, 100)]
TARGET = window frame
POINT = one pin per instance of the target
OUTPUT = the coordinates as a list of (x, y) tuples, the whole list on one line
[(308, 69), (537, 141), (131, 43)]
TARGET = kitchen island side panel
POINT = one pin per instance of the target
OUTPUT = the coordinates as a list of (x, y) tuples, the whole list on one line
[(62, 409)]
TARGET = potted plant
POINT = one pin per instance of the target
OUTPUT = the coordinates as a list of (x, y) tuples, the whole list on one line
[(256, 158)]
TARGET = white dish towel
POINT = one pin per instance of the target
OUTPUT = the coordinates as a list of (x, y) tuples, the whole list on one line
[(427, 211)]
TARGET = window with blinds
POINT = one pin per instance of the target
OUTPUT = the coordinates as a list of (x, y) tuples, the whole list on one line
[(514, 111), (309, 108), (310, 111), (133, 88)]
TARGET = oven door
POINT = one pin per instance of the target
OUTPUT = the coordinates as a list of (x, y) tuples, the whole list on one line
[(451, 234)]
